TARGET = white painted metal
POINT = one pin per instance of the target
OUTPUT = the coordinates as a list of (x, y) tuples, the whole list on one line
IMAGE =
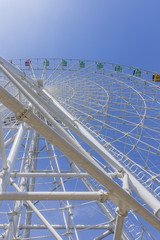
[(45, 222), (68, 206), (126, 183), (79, 227), (26, 90), (134, 184), (11, 159), (92, 196), (52, 116), (89, 166), (2, 148), (50, 175), (12, 230), (105, 234), (119, 227), (151, 201), (31, 166), (11, 68), (9, 141)]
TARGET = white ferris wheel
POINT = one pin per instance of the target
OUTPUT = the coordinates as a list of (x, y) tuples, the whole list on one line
[(80, 150)]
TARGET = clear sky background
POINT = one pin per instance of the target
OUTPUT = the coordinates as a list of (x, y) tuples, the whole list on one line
[(118, 31)]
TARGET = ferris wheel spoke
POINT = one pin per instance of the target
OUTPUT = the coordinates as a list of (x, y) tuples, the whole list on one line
[(110, 115), (33, 76)]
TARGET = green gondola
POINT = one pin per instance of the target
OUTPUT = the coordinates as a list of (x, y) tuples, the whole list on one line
[(118, 68), (64, 63), (99, 66), (82, 64), (46, 63), (137, 72)]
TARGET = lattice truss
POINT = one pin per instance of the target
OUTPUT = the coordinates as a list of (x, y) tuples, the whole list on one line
[(80, 151)]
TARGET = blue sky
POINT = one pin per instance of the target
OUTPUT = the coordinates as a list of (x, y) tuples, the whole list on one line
[(118, 31), (124, 32)]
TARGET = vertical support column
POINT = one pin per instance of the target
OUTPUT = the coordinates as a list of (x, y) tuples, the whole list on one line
[(32, 158), (12, 230), (4, 180), (68, 205), (121, 214), (2, 148)]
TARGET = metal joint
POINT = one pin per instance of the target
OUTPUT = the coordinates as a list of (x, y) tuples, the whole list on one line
[(122, 213), (24, 114), (68, 207), (5, 169), (103, 196), (5, 226), (12, 213)]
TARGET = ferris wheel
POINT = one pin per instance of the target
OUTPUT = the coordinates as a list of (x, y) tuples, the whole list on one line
[(80, 150)]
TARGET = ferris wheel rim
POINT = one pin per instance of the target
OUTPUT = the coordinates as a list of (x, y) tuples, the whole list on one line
[(117, 107)]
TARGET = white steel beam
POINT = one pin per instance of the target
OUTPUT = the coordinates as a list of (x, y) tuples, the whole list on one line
[(102, 206), (50, 196), (41, 217), (14, 220), (71, 122), (74, 125), (2, 148), (9, 141), (32, 97), (119, 224), (105, 234), (90, 188), (12, 68), (70, 219), (49, 175), (93, 169), (125, 185), (4, 180), (32, 165), (80, 227)]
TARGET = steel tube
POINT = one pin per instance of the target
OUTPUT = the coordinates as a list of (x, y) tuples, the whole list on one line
[(50, 175), (2, 148), (11, 68), (34, 226), (119, 227), (92, 196), (15, 147), (46, 223), (9, 141), (89, 166), (35, 210), (14, 220), (32, 97), (94, 227), (145, 195), (4, 181), (62, 114), (32, 165), (132, 182), (105, 234)]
